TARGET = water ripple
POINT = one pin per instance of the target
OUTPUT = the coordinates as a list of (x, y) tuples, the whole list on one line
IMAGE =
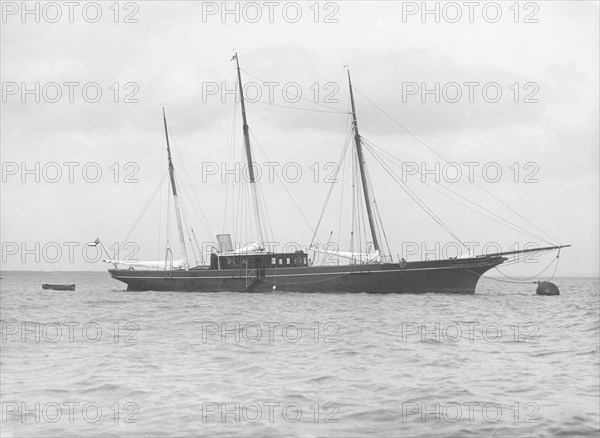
[(225, 364)]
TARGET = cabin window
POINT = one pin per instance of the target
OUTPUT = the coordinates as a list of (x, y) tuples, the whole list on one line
[(288, 260), (281, 261), (273, 260)]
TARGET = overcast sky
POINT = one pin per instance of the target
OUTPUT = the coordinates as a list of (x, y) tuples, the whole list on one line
[(541, 56)]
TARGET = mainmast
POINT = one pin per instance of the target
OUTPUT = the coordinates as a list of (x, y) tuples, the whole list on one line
[(175, 198), (255, 201), (361, 165)]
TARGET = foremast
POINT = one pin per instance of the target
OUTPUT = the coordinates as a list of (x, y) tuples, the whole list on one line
[(175, 197), (254, 189), (361, 165)]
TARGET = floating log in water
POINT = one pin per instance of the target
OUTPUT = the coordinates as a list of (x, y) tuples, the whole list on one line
[(58, 286)]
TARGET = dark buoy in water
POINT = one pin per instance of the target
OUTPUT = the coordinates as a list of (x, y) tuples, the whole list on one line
[(546, 288)]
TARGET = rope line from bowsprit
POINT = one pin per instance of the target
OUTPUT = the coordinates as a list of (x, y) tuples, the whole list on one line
[(515, 280)]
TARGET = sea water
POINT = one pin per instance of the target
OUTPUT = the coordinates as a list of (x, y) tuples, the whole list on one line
[(101, 361)]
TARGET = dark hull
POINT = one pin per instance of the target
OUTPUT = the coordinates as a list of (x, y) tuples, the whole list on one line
[(443, 276)]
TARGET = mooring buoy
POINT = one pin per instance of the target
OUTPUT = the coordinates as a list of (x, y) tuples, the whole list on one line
[(546, 288)]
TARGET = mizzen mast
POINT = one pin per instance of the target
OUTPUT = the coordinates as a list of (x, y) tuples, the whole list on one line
[(361, 165), (255, 202), (175, 198)]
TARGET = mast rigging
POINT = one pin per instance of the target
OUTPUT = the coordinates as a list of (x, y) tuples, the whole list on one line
[(361, 165), (255, 201), (175, 197)]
